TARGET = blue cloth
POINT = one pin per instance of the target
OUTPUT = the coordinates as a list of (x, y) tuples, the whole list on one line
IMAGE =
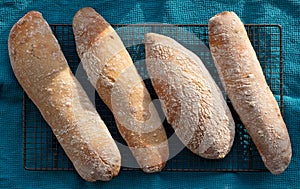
[(286, 13)]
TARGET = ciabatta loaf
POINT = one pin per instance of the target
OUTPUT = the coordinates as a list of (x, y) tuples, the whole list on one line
[(111, 71), (246, 86), (43, 72), (191, 100)]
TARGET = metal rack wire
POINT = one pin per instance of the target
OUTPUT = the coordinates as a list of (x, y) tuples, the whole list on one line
[(43, 152)]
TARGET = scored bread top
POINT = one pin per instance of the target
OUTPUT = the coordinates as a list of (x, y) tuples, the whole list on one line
[(88, 28)]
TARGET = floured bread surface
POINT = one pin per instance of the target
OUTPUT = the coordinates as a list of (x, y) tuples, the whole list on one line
[(192, 102), (246, 86), (41, 69), (113, 74)]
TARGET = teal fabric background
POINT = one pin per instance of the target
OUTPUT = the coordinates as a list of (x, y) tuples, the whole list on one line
[(286, 13)]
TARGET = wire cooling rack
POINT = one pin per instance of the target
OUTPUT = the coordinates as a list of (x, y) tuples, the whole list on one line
[(43, 152)]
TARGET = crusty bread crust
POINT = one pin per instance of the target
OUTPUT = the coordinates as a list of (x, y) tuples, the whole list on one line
[(192, 102), (113, 74), (248, 91), (43, 72)]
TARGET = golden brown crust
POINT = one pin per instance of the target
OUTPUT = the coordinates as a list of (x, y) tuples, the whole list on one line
[(193, 103), (248, 91), (113, 74), (41, 69)]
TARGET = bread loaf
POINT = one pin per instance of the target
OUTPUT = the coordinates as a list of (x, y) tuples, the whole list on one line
[(248, 91), (42, 70), (113, 74), (192, 102)]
